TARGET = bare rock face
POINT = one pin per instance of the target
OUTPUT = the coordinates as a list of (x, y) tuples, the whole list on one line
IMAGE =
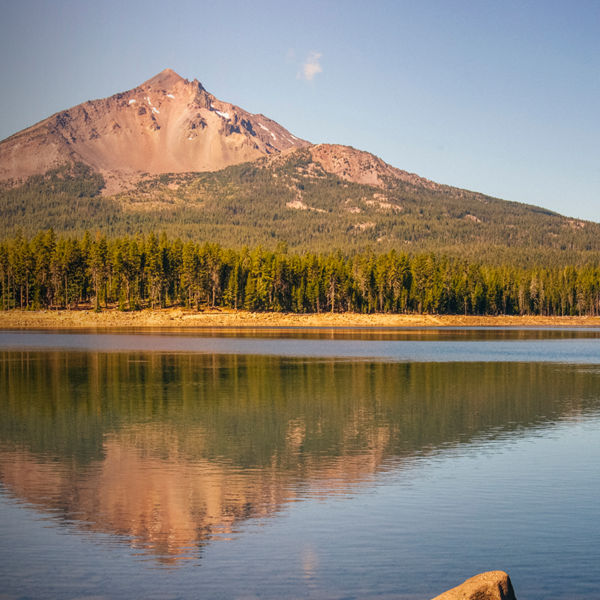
[(493, 585), (166, 125), (358, 166), (171, 125)]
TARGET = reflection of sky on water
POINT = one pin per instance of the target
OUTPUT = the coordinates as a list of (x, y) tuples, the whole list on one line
[(581, 350)]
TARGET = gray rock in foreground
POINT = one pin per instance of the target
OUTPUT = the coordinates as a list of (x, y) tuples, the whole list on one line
[(493, 585)]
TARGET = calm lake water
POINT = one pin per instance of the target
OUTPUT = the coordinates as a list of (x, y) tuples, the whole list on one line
[(298, 463)]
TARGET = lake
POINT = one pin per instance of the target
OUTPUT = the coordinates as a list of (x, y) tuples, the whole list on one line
[(298, 463)]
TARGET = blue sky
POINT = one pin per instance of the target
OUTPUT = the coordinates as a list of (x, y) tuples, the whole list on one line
[(497, 97)]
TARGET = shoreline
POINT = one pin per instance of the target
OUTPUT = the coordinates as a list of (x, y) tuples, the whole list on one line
[(177, 318)]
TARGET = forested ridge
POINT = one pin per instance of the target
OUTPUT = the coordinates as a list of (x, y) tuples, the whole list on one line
[(133, 272), (291, 199), (285, 235)]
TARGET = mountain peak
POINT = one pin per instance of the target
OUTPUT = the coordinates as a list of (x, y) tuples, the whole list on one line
[(167, 124), (165, 79)]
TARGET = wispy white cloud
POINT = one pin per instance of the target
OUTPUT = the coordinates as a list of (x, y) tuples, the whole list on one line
[(311, 67)]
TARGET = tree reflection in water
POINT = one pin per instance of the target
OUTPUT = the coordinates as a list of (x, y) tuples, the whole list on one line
[(171, 451)]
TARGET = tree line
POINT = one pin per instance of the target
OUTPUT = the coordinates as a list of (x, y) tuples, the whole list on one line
[(153, 271)]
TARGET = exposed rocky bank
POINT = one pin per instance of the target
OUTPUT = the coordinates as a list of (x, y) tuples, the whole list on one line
[(492, 585)]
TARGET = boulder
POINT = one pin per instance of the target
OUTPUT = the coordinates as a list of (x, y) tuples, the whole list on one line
[(493, 585)]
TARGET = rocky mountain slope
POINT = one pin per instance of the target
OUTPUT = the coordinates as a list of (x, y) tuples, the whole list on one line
[(166, 125), (358, 166)]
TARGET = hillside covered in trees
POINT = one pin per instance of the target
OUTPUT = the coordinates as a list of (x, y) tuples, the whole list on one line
[(290, 198), (154, 271)]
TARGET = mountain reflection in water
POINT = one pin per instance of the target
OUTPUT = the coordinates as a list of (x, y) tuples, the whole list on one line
[(171, 451)]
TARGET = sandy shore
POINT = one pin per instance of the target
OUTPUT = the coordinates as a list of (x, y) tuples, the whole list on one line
[(178, 318)]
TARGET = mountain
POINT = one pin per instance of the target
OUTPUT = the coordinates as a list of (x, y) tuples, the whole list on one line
[(362, 167), (167, 124), (169, 156)]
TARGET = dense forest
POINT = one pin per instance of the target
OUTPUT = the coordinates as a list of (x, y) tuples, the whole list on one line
[(290, 199), (52, 271)]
